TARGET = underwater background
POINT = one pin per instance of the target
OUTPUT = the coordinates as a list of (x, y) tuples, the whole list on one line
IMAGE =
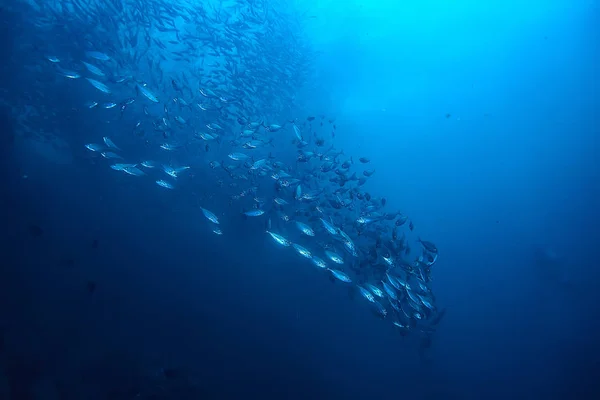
[(479, 121)]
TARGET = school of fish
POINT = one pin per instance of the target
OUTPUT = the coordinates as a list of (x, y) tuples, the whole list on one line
[(206, 90)]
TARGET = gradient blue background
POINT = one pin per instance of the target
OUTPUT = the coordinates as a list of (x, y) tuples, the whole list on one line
[(482, 120)]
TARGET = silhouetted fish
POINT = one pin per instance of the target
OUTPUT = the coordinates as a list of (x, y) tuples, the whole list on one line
[(91, 286), (36, 230)]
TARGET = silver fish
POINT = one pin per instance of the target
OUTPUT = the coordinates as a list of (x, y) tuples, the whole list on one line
[(99, 85), (164, 184), (254, 213), (307, 230), (93, 69), (110, 143), (147, 93), (210, 216), (97, 55), (280, 239), (303, 251), (339, 275)]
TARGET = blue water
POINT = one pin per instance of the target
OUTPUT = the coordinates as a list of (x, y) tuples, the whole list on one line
[(482, 122)]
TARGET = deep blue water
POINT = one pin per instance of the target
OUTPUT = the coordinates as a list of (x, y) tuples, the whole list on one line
[(482, 122)]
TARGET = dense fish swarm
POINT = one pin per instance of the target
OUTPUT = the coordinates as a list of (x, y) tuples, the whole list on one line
[(208, 88)]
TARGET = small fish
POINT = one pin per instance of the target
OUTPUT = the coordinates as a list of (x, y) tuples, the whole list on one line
[(94, 147), (210, 216), (258, 164), (133, 170), (303, 251), (319, 262), (169, 147), (99, 85), (329, 227), (307, 230), (368, 172), (280, 239), (52, 59), (375, 290), (214, 127), (121, 167), (381, 311), (336, 258), (91, 104), (147, 93), (298, 133), (238, 156), (93, 69), (390, 291), (70, 74), (430, 247), (97, 55), (206, 136), (109, 105), (254, 213), (170, 171), (273, 128), (164, 184), (339, 275), (149, 164), (366, 294), (110, 155), (110, 143)]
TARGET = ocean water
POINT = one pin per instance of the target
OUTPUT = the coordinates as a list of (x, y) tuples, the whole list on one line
[(480, 119)]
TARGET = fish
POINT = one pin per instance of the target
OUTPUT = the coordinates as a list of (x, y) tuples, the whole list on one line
[(254, 213), (99, 85), (375, 290), (110, 143), (149, 164), (69, 74), (366, 293), (210, 216), (164, 184), (231, 130), (94, 147), (336, 258), (133, 170), (319, 262), (307, 230), (169, 146), (303, 251), (339, 275), (280, 239), (429, 246), (238, 156), (329, 227), (93, 69), (110, 155), (97, 55), (147, 93)]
